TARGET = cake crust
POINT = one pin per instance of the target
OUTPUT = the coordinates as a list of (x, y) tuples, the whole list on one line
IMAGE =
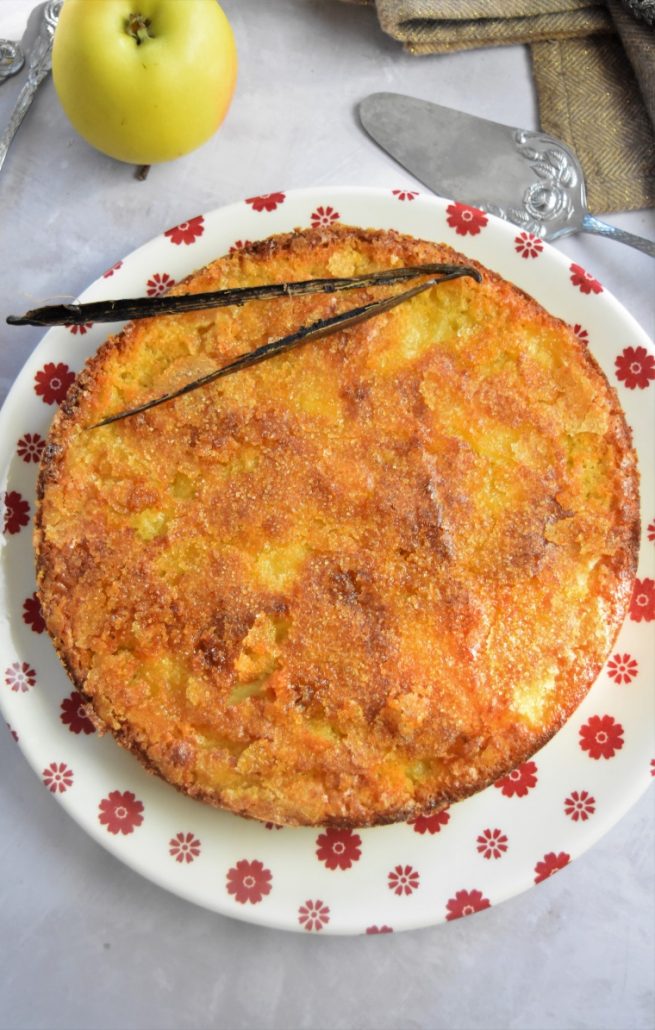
[(360, 581)]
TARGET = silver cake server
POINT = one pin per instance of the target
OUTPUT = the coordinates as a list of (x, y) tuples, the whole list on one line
[(528, 178)]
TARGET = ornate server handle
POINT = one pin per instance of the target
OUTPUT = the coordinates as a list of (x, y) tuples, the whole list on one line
[(594, 225), (39, 67)]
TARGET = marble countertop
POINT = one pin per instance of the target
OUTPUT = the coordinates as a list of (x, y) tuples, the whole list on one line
[(85, 942)]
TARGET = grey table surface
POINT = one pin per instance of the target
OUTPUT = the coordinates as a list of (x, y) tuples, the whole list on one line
[(84, 941)]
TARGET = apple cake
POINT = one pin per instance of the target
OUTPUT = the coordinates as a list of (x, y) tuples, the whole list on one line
[(359, 581)]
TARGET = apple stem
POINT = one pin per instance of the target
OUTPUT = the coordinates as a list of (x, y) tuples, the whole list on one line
[(137, 27)]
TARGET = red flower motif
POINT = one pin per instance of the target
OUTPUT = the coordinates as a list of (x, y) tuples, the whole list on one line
[(465, 903), (272, 826), (430, 823), (404, 195), (52, 383), (635, 367), (249, 881), (652, 765), (642, 605), (30, 447), (584, 280), (623, 668), (20, 677), (528, 245), (579, 805), (313, 915), (581, 333), (519, 781), (338, 848), (379, 929), (266, 202), (601, 736), (186, 232), (650, 532), (110, 271), (492, 843), (120, 812), (32, 614), (465, 220), (551, 863), (57, 777), (184, 847), (403, 879), (324, 216), (79, 330), (239, 245), (73, 714), (159, 283), (17, 512)]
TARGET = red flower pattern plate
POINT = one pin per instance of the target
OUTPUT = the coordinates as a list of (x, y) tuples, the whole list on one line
[(437, 868)]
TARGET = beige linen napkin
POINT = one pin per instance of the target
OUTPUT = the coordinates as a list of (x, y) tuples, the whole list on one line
[(594, 67)]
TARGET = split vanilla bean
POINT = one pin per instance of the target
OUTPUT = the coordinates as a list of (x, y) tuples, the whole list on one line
[(148, 307), (315, 331)]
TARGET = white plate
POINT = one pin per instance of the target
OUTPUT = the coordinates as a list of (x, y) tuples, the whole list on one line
[(483, 850)]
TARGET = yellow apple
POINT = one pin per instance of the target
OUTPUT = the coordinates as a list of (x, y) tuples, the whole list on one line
[(144, 80)]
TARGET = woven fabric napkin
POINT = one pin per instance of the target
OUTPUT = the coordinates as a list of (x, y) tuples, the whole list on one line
[(594, 68)]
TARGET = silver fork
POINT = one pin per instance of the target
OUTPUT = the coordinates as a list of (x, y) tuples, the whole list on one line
[(12, 59), (40, 62)]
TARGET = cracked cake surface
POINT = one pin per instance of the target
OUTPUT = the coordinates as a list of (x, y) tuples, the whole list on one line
[(359, 581)]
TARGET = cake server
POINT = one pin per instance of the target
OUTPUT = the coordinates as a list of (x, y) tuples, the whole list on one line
[(528, 178)]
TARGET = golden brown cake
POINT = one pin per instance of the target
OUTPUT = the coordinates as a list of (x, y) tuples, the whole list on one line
[(356, 582)]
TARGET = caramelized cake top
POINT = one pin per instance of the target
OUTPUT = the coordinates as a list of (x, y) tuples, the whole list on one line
[(361, 580)]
